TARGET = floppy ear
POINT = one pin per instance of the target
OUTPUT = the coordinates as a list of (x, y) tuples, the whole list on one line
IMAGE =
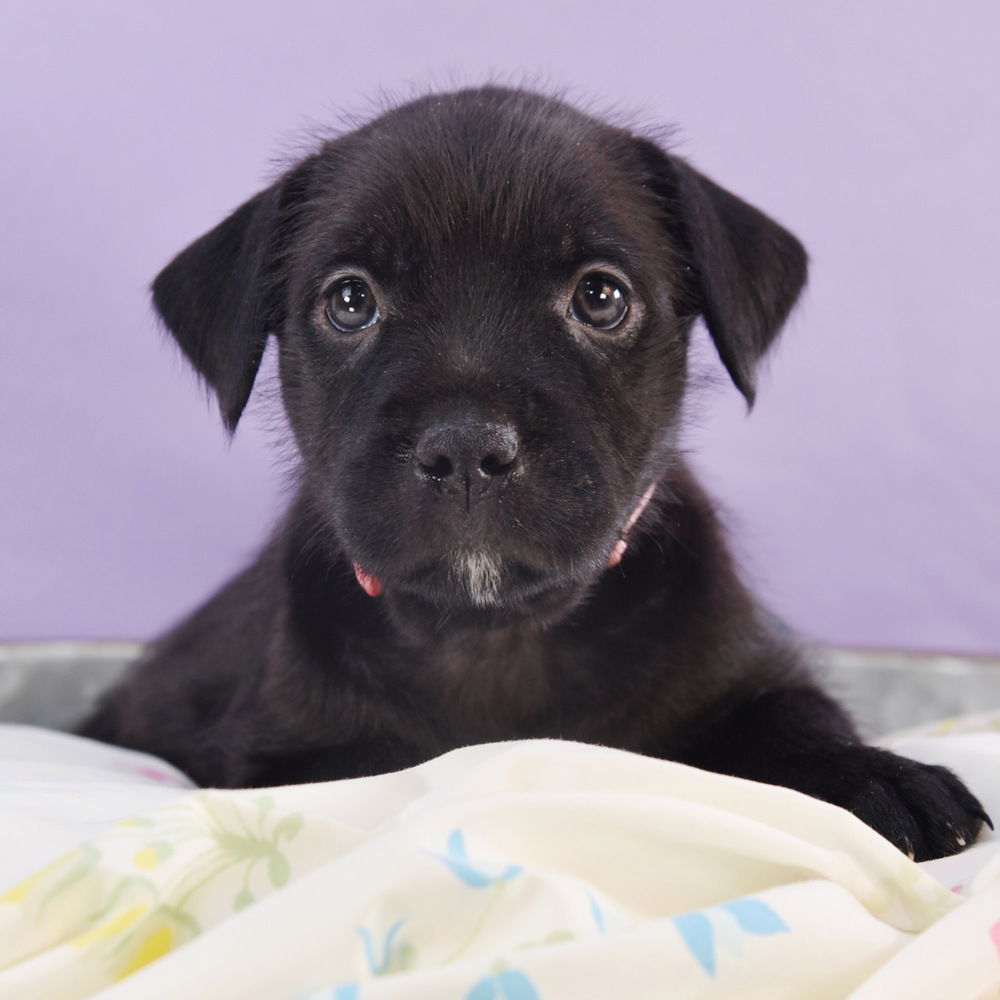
[(746, 270), (223, 295)]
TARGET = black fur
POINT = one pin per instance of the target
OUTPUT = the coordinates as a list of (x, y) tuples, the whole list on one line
[(473, 216)]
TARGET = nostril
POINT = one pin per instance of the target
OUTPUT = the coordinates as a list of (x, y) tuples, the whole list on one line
[(494, 465), (501, 449), (440, 468)]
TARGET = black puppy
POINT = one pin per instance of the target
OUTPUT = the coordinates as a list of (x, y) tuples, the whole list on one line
[(482, 302)]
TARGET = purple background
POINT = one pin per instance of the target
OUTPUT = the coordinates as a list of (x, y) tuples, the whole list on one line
[(865, 489)]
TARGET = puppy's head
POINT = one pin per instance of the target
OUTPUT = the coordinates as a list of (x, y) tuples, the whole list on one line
[(482, 302)]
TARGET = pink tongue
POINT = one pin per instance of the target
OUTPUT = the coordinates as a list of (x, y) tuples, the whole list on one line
[(370, 584)]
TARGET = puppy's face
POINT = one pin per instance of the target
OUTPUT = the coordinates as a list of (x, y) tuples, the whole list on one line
[(482, 302), (483, 351)]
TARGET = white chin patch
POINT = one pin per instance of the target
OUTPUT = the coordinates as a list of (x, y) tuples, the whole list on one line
[(479, 573)]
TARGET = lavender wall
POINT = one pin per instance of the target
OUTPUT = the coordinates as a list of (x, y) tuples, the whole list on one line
[(865, 489)]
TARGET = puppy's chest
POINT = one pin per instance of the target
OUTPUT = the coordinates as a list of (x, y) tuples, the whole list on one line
[(510, 684)]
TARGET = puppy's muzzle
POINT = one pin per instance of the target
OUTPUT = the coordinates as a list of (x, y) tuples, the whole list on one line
[(465, 458)]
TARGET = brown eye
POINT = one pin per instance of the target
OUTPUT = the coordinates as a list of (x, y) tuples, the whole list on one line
[(599, 301), (351, 305)]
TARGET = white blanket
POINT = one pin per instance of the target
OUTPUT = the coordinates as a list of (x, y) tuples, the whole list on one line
[(536, 870)]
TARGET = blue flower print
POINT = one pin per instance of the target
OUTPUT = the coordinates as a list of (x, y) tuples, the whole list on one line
[(699, 936), (753, 916), (597, 913), (478, 876), (507, 985), (379, 965)]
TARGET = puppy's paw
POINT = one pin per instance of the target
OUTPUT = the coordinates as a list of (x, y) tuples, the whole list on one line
[(924, 809)]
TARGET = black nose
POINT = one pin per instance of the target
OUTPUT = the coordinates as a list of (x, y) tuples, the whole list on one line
[(466, 457)]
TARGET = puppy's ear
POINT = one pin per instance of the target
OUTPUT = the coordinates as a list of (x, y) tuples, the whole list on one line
[(746, 271), (223, 295)]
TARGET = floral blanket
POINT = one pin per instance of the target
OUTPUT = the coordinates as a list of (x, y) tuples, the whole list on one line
[(535, 870)]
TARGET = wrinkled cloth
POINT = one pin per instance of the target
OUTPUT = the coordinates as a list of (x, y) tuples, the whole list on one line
[(534, 870)]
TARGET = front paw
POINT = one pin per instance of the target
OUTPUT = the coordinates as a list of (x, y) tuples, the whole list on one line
[(924, 809)]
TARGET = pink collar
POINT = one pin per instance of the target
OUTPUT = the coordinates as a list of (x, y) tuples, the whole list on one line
[(618, 549), (372, 585)]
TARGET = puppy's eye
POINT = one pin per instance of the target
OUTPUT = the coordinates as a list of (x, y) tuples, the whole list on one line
[(599, 301), (351, 305)]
